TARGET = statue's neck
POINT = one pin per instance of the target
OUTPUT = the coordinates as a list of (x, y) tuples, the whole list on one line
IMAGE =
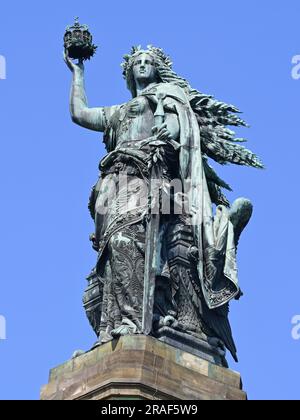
[(140, 87)]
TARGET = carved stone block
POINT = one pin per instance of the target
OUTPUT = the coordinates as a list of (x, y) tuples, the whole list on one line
[(140, 367)]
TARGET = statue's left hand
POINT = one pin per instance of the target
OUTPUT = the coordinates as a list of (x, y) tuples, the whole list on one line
[(162, 143), (162, 133)]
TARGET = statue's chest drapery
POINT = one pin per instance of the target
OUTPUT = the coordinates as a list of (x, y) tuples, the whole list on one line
[(130, 130), (135, 121)]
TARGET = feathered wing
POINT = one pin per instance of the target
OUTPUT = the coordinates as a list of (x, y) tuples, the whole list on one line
[(218, 142)]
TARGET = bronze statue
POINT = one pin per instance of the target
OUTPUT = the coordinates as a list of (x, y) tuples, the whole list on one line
[(170, 273)]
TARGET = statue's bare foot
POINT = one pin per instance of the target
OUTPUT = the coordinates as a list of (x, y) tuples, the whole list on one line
[(239, 215), (127, 328), (104, 337)]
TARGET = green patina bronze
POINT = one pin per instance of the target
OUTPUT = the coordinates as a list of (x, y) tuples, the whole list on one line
[(162, 273)]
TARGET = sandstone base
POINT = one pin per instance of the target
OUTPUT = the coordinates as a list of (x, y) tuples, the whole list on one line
[(139, 367)]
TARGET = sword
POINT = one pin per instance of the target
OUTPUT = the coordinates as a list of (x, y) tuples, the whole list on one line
[(152, 232)]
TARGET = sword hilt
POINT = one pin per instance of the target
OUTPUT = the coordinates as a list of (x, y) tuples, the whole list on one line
[(159, 115)]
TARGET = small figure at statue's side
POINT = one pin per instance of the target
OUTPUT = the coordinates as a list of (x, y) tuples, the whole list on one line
[(170, 272)]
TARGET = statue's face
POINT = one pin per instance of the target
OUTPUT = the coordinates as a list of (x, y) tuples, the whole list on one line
[(144, 69)]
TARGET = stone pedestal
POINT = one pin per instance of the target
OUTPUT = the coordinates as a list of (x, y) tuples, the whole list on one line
[(140, 367)]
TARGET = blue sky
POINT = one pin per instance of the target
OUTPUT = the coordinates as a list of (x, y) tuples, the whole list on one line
[(241, 52)]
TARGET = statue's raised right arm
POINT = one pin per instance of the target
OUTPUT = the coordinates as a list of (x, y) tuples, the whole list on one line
[(91, 118)]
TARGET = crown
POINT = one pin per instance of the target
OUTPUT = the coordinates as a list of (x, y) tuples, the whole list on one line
[(78, 41)]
